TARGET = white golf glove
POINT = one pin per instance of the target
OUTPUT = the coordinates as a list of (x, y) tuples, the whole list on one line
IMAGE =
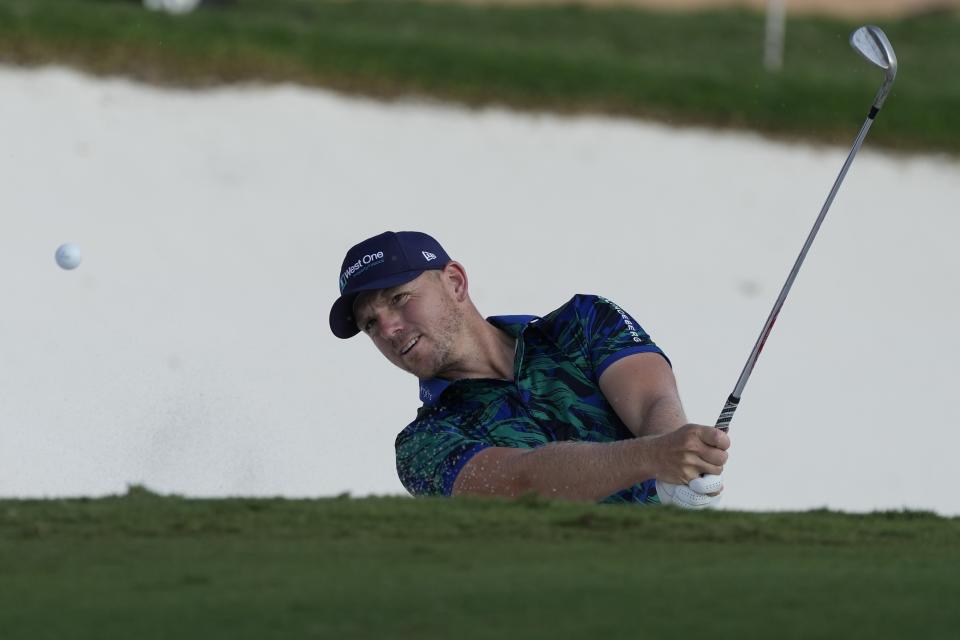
[(693, 495)]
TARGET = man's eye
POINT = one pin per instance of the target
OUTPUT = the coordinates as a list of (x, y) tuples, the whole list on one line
[(400, 297), (368, 326)]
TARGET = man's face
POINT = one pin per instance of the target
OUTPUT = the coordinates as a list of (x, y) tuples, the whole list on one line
[(415, 325)]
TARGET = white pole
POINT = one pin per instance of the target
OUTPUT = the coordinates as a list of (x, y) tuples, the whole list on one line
[(776, 27)]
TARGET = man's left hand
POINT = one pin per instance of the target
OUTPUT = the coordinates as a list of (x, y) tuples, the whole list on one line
[(701, 493)]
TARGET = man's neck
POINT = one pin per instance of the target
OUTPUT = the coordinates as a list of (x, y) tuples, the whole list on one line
[(489, 353)]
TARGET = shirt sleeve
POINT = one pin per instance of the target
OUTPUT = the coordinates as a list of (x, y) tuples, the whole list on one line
[(431, 453), (610, 333)]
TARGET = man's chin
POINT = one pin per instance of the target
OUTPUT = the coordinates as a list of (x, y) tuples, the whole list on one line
[(413, 367), (424, 373), (424, 363), (421, 370)]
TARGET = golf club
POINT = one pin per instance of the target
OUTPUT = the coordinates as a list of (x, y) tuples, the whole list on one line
[(871, 43)]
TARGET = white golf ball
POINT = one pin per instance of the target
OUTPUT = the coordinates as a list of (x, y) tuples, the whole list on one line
[(68, 256)]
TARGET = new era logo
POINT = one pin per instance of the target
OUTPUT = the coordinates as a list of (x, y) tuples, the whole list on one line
[(429, 256)]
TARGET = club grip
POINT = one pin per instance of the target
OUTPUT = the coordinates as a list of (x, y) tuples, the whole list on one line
[(723, 422)]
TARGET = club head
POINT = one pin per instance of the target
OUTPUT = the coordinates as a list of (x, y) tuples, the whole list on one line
[(872, 43)]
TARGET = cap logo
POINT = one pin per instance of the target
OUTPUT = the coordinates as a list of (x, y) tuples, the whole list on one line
[(429, 256), (358, 267)]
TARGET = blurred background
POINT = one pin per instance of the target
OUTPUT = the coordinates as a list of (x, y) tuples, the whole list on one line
[(214, 160)]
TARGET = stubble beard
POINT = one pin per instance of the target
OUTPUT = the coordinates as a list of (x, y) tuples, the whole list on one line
[(444, 339)]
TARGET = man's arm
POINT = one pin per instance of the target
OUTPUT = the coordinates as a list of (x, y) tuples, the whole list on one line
[(591, 471), (643, 392)]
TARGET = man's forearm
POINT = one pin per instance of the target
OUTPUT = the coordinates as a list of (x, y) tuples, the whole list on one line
[(592, 471), (588, 471)]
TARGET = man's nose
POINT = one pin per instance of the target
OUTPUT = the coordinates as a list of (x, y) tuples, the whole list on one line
[(390, 324)]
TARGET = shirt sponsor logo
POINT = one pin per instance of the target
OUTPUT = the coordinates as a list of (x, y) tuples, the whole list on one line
[(358, 267), (631, 327)]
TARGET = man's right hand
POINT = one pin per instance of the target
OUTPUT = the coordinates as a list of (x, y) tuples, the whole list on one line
[(688, 453)]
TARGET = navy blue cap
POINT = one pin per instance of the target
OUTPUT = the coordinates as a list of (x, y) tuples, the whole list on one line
[(381, 262)]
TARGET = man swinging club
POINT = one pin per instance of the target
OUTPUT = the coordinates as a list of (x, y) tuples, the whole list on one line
[(579, 404)]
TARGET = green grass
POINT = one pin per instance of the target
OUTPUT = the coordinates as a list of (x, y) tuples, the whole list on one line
[(144, 566), (700, 68)]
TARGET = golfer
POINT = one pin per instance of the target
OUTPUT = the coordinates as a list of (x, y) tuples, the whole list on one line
[(579, 404)]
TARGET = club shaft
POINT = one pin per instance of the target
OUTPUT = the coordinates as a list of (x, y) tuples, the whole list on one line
[(726, 415)]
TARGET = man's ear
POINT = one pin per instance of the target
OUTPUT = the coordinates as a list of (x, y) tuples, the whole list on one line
[(454, 278)]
